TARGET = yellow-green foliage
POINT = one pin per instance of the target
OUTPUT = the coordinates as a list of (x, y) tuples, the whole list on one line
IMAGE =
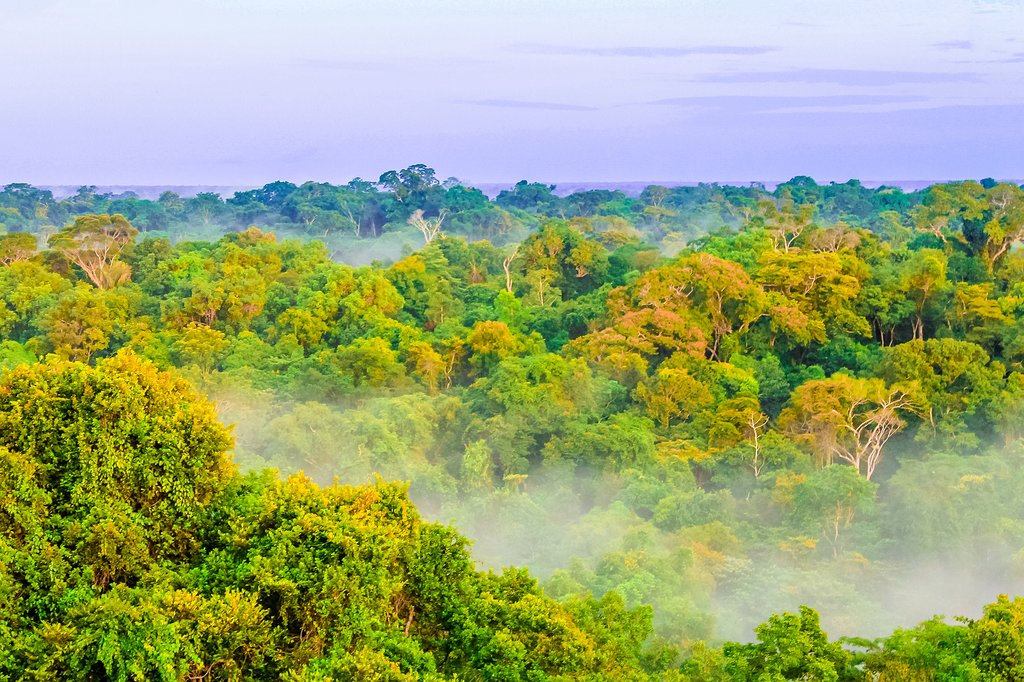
[(130, 549)]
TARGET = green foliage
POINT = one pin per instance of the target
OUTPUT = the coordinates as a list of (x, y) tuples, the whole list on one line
[(131, 549), (792, 409), (789, 647)]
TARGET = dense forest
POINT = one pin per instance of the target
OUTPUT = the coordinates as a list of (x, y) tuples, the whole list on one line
[(694, 419)]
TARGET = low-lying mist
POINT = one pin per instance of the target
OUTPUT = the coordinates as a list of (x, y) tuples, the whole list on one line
[(712, 563)]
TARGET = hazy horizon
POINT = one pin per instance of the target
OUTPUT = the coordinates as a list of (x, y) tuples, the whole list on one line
[(491, 189)]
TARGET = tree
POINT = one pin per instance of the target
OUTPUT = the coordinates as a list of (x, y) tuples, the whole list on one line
[(1005, 221), (812, 295), (29, 291), (998, 640), (825, 503), (490, 342), (430, 228), (560, 257), (111, 442), (849, 418), (934, 650), (93, 243), (956, 381), (988, 220), (414, 187), (130, 548), (740, 420), (207, 207), (786, 223), (81, 321), (975, 313), (723, 292), (833, 239), (948, 207), (531, 197), (672, 393), (16, 246), (200, 345), (31, 203), (369, 362), (923, 280), (790, 646), (652, 317), (506, 264), (426, 364)]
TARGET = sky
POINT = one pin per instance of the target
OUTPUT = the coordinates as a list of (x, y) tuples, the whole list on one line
[(243, 92)]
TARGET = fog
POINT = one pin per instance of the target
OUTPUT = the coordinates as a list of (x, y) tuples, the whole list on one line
[(579, 530)]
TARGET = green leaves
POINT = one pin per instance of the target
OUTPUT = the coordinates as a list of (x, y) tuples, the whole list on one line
[(93, 243), (132, 550), (120, 432), (790, 646)]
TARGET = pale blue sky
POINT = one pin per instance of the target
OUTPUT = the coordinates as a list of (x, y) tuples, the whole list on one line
[(248, 91)]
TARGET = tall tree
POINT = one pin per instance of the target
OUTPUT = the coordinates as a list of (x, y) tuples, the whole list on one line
[(94, 243), (849, 418)]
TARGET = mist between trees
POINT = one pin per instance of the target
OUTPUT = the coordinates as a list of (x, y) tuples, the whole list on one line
[(663, 539)]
